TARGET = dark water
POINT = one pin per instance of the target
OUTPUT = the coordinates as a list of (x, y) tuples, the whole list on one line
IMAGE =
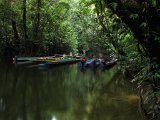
[(65, 93)]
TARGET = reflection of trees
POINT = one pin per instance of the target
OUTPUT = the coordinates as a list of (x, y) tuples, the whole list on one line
[(111, 101), (31, 94), (7, 93), (63, 92)]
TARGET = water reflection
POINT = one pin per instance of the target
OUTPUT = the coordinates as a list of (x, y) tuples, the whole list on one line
[(65, 93), (53, 118)]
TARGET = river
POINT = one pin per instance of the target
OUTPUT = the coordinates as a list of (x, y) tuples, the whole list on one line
[(65, 93)]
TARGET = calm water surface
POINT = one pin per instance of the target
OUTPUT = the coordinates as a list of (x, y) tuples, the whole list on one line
[(65, 93)]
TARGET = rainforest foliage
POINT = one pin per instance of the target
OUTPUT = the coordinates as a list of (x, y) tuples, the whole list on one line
[(129, 28), (143, 17), (38, 27)]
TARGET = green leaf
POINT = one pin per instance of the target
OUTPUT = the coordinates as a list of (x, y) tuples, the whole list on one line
[(143, 24), (114, 5), (134, 16), (154, 3)]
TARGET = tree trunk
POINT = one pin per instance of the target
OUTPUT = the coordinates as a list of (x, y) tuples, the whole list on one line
[(24, 26), (145, 26), (16, 37), (36, 26)]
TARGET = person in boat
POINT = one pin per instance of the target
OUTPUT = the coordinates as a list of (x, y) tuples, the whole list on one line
[(84, 59), (94, 61), (104, 61)]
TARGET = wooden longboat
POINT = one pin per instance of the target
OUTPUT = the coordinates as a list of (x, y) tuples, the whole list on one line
[(49, 63), (102, 63), (47, 59), (108, 64), (44, 61)]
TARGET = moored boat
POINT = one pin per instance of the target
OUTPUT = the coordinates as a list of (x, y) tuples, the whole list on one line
[(107, 63), (90, 63), (102, 63), (57, 61), (44, 61), (47, 59)]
